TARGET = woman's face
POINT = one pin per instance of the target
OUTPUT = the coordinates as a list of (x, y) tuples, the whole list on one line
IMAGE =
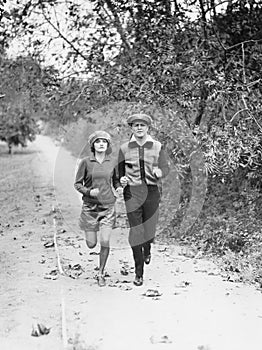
[(100, 145)]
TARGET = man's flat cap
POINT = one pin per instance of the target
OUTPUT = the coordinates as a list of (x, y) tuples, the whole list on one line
[(139, 116)]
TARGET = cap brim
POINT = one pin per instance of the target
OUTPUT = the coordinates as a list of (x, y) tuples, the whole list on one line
[(139, 120)]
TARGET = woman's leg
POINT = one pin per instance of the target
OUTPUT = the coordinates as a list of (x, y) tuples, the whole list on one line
[(88, 223), (91, 239), (107, 221), (105, 233)]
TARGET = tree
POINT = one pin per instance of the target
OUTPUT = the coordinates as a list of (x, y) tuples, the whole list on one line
[(16, 128), (24, 88)]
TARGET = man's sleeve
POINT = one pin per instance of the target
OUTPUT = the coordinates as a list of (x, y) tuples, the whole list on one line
[(121, 164), (79, 179), (115, 179), (163, 162)]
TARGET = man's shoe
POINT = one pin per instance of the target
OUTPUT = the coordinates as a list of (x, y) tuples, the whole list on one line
[(101, 280), (138, 281), (147, 259)]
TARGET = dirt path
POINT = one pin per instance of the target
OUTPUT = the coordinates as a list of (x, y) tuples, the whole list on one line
[(195, 309)]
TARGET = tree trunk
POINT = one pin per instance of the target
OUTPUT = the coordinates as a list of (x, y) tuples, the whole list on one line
[(203, 16)]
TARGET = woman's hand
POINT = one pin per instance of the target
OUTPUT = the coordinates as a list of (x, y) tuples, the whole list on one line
[(124, 181), (94, 192)]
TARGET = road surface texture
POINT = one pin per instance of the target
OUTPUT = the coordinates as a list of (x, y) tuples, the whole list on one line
[(47, 276)]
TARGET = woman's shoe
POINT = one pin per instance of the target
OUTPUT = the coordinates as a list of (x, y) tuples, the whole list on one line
[(101, 280), (138, 281)]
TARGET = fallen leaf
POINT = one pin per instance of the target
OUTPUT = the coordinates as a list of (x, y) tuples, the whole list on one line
[(74, 271), (203, 347), (49, 244), (39, 329), (187, 283), (162, 339), (124, 271), (76, 267), (124, 287), (62, 230), (152, 293), (112, 285), (52, 275), (162, 250)]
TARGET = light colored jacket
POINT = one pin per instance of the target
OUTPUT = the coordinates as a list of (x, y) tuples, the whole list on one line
[(137, 162)]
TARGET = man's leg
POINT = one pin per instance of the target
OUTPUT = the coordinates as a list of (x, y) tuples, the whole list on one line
[(139, 264), (147, 251), (135, 235), (136, 232), (150, 219)]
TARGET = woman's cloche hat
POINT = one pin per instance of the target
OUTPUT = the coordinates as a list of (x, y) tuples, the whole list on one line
[(99, 134)]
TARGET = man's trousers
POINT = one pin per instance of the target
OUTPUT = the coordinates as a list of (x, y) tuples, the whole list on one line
[(142, 206)]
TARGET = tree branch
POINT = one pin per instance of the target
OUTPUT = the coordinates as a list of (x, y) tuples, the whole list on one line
[(63, 37), (118, 23), (251, 115), (241, 110), (243, 42), (243, 60)]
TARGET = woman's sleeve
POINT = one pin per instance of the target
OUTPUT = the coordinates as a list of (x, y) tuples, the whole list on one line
[(163, 162), (79, 179)]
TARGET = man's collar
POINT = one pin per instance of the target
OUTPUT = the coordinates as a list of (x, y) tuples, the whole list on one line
[(147, 144)]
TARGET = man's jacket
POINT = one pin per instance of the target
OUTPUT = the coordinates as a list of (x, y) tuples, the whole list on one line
[(137, 162)]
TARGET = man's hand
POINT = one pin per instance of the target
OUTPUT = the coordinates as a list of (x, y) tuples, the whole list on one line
[(124, 181), (157, 172), (119, 191), (94, 192)]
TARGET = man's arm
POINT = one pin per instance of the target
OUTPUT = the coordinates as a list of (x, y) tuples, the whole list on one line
[(121, 164), (163, 162), (115, 179)]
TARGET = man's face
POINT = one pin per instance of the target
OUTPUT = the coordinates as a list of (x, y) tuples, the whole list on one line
[(139, 128)]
